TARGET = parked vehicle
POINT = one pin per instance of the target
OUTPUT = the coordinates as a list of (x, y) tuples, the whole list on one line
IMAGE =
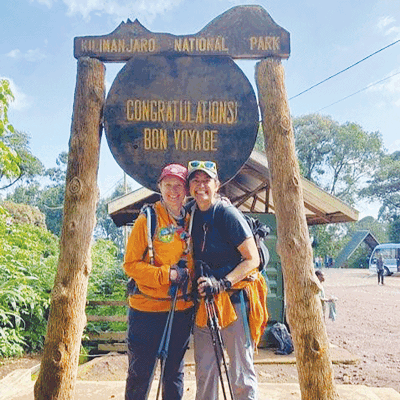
[(391, 258)]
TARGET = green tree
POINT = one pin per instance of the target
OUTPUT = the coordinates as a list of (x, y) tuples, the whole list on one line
[(384, 186), (327, 239), (337, 157), (49, 199), (260, 141), (105, 227), (29, 165), (28, 262), (313, 135), (9, 159), (394, 230), (107, 279), (16, 160)]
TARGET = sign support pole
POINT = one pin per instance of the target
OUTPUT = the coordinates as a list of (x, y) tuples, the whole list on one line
[(57, 376), (303, 305)]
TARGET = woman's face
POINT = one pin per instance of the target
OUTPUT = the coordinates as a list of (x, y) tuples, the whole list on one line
[(203, 189), (173, 192)]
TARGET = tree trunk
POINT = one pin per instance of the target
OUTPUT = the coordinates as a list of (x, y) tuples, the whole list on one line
[(303, 306), (67, 319)]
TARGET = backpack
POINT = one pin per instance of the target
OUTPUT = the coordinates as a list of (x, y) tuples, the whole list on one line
[(260, 232), (148, 210), (280, 337)]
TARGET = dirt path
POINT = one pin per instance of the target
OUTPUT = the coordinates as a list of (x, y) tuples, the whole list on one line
[(367, 325)]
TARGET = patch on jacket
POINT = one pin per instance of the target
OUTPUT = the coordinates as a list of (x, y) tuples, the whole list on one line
[(166, 235)]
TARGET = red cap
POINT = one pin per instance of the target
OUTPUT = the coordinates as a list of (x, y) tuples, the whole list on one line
[(176, 170)]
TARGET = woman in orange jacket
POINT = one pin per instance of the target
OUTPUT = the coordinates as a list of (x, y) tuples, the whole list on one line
[(150, 301)]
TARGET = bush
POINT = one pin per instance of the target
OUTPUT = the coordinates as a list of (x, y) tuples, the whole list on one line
[(107, 280), (28, 262)]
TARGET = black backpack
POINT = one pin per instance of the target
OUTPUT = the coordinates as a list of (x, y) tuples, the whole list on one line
[(260, 232), (280, 337)]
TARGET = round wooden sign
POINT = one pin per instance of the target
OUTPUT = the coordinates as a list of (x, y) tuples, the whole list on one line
[(173, 109)]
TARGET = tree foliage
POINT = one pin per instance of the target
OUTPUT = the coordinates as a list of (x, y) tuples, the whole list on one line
[(16, 160), (28, 263), (107, 277), (394, 230), (105, 227), (50, 198), (9, 159), (339, 158), (384, 186)]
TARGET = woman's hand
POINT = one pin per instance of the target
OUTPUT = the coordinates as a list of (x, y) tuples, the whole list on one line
[(178, 275), (210, 286)]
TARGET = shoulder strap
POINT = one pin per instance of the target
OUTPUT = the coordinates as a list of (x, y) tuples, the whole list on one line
[(149, 236), (151, 218), (192, 210)]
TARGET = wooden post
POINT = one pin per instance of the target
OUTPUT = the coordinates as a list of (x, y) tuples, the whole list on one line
[(67, 319), (303, 306)]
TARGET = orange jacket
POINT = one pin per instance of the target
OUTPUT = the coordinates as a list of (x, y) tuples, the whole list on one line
[(258, 316), (153, 280)]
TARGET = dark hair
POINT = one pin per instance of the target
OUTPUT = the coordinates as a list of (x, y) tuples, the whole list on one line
[(318, 272)]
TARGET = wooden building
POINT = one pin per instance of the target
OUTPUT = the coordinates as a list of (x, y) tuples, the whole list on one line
[(250, 191)]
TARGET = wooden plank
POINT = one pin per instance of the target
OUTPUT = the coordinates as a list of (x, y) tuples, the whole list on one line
[(108, 318), (107, 303), (128, 199), (119, 347), (108, 336)]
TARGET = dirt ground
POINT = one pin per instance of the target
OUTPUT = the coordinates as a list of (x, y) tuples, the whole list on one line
[(367, 325)]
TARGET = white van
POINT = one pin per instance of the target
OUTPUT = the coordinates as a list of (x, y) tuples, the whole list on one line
[(391, 257)]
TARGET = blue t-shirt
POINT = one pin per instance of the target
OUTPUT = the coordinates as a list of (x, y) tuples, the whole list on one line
[(216, 234)]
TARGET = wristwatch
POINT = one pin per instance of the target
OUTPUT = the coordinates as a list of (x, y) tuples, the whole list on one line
[(227, 283)]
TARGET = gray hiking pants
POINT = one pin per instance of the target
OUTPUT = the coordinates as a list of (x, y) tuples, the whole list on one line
[(241, 367)]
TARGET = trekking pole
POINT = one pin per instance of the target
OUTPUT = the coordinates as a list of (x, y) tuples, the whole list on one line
[(162, 352), (217, 344)]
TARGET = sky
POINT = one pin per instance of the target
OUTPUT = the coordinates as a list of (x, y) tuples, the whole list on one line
[(326, 37)]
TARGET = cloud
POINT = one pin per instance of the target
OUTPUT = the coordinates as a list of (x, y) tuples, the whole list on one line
[(383, 22), (147, 10), (389, 88), (394, 30), (32, 55), (391, 85), (14, 53), (395, 145), (21, 100), (386, 25), (47, 3)]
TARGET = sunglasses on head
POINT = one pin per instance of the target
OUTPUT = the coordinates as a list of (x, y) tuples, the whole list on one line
[(210, 165)]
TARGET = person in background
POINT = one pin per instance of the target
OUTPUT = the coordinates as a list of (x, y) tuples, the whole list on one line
[(151, 301), (223, 245), (380, 269), (326, 301)]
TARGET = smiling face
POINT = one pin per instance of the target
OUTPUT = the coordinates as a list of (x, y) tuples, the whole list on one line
[(173, 192), (203, 189)]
